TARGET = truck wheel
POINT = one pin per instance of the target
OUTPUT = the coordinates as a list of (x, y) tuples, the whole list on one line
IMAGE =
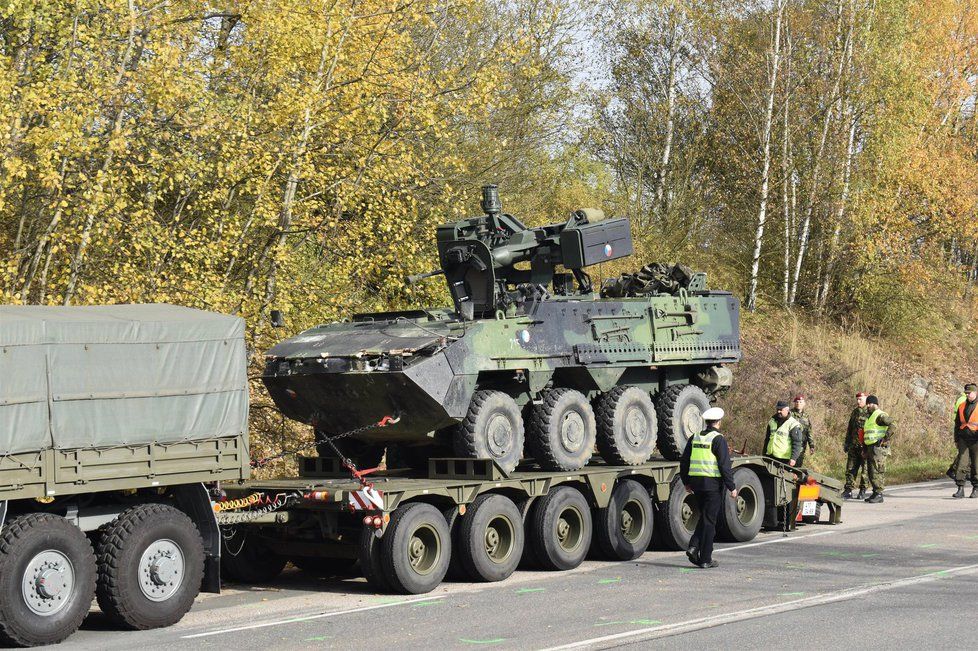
[(680, 416), (560, 529), (676, 518), (245, 559), (416, 549), (490, 538), (47, 579), (741, 518), (562, 430), (627, 426), (623, 529), (369, 555), (492, 429), (150, 565), (324, 567)]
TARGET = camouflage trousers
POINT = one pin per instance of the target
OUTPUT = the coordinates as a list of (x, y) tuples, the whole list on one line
[(964, 464), (875, 456), (855, 465)]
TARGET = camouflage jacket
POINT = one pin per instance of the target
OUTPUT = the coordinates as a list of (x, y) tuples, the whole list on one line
[(806, 427), (856, 420)]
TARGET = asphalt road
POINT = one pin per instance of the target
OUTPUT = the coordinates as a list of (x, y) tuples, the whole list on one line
[(900, 574)]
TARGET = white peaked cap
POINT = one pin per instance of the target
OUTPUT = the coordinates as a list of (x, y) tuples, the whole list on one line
[(713, 413)]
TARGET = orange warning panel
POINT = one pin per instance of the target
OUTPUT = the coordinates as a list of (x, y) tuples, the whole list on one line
[(808, 492)]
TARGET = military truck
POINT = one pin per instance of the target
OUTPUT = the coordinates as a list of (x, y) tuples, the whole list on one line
[(531, 352), (112, 422)]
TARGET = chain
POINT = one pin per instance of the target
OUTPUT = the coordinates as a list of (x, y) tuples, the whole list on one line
[(383, 422)]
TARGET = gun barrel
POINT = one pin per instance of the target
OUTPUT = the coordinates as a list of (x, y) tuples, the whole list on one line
[(416, 278)]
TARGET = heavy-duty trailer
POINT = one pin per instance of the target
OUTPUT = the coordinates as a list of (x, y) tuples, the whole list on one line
[(467, 519)]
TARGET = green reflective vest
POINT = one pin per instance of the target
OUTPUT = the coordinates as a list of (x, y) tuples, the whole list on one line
[(779, 438), (702, 461), (874, 432)]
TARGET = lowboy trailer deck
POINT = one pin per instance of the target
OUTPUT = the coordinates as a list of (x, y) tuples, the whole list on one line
[(468, 519)]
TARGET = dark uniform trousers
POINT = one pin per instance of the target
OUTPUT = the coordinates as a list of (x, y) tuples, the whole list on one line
[(855, 467), (967, 448), (709, 503)]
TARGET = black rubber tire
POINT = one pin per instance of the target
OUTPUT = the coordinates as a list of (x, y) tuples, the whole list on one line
[(671, 530), (325, 567), (620, 412), (472, 538), (544, 435), (245, 559), (23, 538), (732, 528), (363, 455), (471, 439), (543, 529), (612, 541), (395, 555), (119, 550), (670, 405), (368, 553)]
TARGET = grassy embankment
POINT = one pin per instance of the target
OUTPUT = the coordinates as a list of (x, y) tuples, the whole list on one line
[(785, 355)]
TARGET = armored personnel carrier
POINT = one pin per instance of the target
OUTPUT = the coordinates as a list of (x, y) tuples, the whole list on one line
[(530, 360)]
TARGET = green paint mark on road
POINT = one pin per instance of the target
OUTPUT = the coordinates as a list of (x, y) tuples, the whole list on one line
[(617, 579), (318, 638), (870, 555), (433, 602), (927, 545), (791, 594), (529, 590), (684, 570), (495, 640)]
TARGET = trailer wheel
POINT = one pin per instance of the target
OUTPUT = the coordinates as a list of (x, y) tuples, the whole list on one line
[(492, 429), (47, 579), (416, 548), (680, 410), (324, 567), (627, 426), (150, 565), (369, 555), (741, 518), (246, 559), (560, 529), (562, 430), (676, 518), (623, 529), (490, 538)]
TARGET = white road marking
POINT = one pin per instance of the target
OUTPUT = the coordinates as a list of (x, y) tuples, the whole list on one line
[(667, 630), (772, 541), (306, 618)]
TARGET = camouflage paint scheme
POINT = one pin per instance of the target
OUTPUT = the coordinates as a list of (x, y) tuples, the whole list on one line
[(519, 325)]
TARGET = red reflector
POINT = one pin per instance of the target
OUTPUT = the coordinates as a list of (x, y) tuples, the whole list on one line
[(368, 520), (378, 521), (811, 481)]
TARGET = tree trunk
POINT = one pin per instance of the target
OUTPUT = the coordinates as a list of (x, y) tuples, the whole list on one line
[(661, 182), (775, 57), (839, 214)]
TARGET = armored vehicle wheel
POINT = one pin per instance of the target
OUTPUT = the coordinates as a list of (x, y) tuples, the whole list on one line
[(369, 556), (492, 429), (47, 579), (741, 517), (627, 426), (623, 529), (362, 454), (680, 416), (560, 529), (324, 567), (562, 430), (676, 518), (150, 565), (416, 549), (490, 538), (246, 559)]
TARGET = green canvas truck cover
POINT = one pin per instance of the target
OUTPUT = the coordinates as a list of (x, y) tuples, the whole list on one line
[(118, 375)]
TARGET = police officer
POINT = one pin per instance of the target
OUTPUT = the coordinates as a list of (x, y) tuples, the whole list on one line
[(966, 440), (798, 413), (853, 447), (877, 431), (706, 472), (783, 438)]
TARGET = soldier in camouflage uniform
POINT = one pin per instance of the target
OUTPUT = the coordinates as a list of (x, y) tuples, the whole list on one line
[(853, 449), (798, 412), (877, 432)]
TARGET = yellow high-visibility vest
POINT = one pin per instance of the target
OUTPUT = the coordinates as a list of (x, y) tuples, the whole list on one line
[(779, 438), (874, 432), (702, 461)]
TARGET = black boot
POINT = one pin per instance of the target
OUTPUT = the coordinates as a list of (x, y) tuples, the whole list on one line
[(862, 494), (974, 491), (951, 474), (960, 492), (875, 498), (847, 494), (693, 554)]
